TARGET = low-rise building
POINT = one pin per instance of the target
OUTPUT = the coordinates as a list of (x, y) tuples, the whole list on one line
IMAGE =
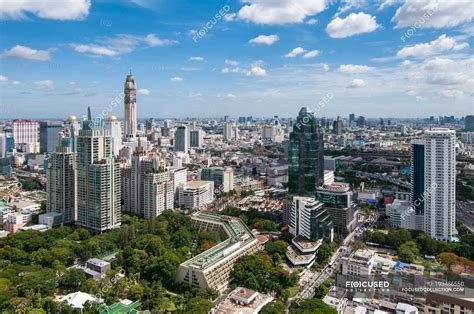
[(242, 301), (212, 268)]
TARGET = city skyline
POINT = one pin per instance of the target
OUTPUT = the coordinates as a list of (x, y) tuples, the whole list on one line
[(258, 58)]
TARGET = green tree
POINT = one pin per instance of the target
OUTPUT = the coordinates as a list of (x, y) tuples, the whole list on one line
[(199, 305), (278, 247), (320, 291), (73, 278), (276, 307), (309, 306), (408, 251)]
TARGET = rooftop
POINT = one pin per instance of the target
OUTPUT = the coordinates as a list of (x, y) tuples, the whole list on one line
[(238, 235)]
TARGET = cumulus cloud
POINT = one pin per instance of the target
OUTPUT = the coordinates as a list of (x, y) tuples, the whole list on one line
[(176, 79), (264, 40), (356, 83), (27, 53), (232, 62), (353, 24), (311, 54), (230, 96), (231, 70), (3, 78), (46, 9), (44, 85), (257, 71), (120, 44), (442, 44), (354, 69), (279, 12), (229, 17), (451, 93), (143, 91), (295, 52), (434, 13), (196, 59), (311, 22)]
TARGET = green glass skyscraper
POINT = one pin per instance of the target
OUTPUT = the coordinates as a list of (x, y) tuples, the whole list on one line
[(305, 155)]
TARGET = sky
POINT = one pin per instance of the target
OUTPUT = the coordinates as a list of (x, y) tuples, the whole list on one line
[(210, 58)]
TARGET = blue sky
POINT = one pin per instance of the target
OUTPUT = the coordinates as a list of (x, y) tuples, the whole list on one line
[(254, 57)]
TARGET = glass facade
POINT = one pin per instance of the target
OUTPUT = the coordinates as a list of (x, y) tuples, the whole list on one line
[(418, 176), (305, 155)]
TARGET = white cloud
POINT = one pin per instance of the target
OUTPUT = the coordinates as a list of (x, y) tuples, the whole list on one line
[(348, 5), (44, 85), (439, 45), (325, 67), (311, 22), (280, 11), (3, 78), (356, 83), (354, 68), (27, 53), (311, 54), (143, 91), (195, 95), (46, 9), (386, 4), (264, 40), (196, 59), (154, 41), (229, 17), (232, 62), (353, 24), (257, 71), (231, 70), (176, 79), (434, 13), (16, 83), (230, 96), (120, 44), (295, 52), (451, 93)]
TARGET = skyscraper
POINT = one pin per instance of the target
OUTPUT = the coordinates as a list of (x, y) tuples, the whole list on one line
[(352, 118), (469, 123), (417, 172), (26, 135), (196, 138), (310, 219), (305, 155), (181, 139), (158, 193), (440, 179), (337, 126), (49, 131), (98, 178), (130, 93), (115, 130)]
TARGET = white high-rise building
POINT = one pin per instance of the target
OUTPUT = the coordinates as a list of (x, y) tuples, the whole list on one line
[(26, 136), (196, 138), (196, 194), (115, 130), (158, 193), (3, 145), (440, 179), (230, 131), (179, 176)]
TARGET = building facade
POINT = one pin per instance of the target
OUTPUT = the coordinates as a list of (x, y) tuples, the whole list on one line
[(440, 176), (130, 102), (305, 156)]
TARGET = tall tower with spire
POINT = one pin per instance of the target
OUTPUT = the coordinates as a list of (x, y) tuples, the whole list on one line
[(130, 91)]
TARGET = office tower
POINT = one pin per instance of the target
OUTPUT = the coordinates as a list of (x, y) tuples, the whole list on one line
[(469, 123), (195, 194), (417, 173), (181, 139), (130, 93), (337, 199), (158, 193), (149, 125), (337, 126), (196, 138), (3, 145), (61, 182), (440, 180), (26, 135), (112, 125), (309, 218), (223, 178), (351, 118), (98, 178), (228, 131), (361, 122), (226, 118), (305, 155), (49, 135), (272, 133)]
